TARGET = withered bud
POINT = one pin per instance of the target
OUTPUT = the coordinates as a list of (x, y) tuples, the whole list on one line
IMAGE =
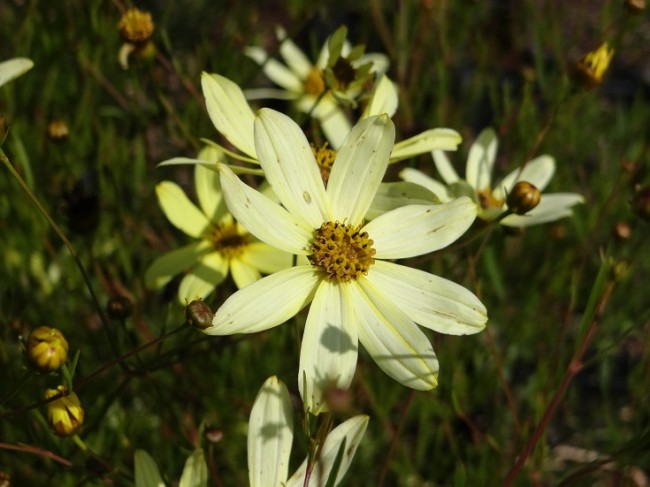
[(65, 414), (199, 315), (136, 26), (523, 197), (593, 66), (119, 308), (213, 435), (57, 130), (622, 231), (47, 349)]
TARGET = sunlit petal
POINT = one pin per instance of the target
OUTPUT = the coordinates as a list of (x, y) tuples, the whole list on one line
[(328, 354), (180, 211), (551, 207), (480, 160), (395, 195), (242, 273), (538, 172), (420, 229), (266, 258), (208, 192), (203, 277), (359, 167), (275, 70), (444, 167), (383, 100), (418, 177), (290, 167), (430, 301), (266, 303), (293, 55), (443, 139), (168, 265), (13, 68)]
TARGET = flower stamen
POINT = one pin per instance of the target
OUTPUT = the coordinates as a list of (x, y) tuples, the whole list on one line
[(314, 82), (325, 160), (342, 251)]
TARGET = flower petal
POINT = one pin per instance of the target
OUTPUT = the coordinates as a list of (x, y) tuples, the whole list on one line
[(418, 177), (333, 121), (275, 70), (208, 192), (163, 268), (264, 218), (12, 68), (429, 300), (395, 195), (328, 355), (420, 229), (383, 100), (243, 274), (538, 172), (180, 211), (551, 207), (359, 167), (266, 258), (349, 433), (146, 470), (444, 167), (270, 435), (195, 471), (297, 61), (290, 167), (203, 278), (229, 111), (393, 341), (443, 139), (480, 160), (266, 303)]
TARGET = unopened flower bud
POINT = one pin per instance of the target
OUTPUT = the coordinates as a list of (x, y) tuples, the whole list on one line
[(635, 6), (622, 231), (641, 203), (65, 414), (136, 26), (199, 315), (57, 130), (119, 308), (592, 67), (523, 197), (47, 349)]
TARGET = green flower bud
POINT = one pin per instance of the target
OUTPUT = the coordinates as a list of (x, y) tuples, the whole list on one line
[(47, 349), (65, 414), (523, 197), (199, 315)]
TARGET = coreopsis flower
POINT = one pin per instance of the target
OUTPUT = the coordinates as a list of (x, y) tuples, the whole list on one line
[(136, 28), (593, 66), (64, 414), (147, 474), (316, 87), (234, 119), (270, 435), (222, 245), (356, 293), (491, 200), (12, 68), (47, 349)]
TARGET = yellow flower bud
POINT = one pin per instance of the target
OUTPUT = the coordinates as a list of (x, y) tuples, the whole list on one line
[(136, 26), (47, 349), (523, 197), (65, 414), (593, 65)]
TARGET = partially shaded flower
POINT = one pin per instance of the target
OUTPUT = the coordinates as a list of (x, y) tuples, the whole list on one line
[(222, 245), (304, 81), (356, 295), (491, 200), (270, 435), (65, 414)]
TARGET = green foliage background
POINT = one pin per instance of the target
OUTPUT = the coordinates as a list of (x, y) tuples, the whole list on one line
[(463, 65)]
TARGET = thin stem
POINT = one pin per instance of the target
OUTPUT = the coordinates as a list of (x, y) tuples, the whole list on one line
[(36, 451), (575, 365)]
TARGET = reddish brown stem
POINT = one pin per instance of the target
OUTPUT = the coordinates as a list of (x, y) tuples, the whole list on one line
[(36, 451)]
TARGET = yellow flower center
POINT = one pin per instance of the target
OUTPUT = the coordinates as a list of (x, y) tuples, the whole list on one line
[(325, 160), (488, 200), (227, 240), (314, 83), (342, 251), (136, 26)]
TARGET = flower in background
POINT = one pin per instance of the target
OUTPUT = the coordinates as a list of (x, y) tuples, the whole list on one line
[(491, 200), (136, 28), (355, 296), (65, 414), (223, 246), (12, 68), (270, 435), (47, 349), (593, 66), (338, 75)]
